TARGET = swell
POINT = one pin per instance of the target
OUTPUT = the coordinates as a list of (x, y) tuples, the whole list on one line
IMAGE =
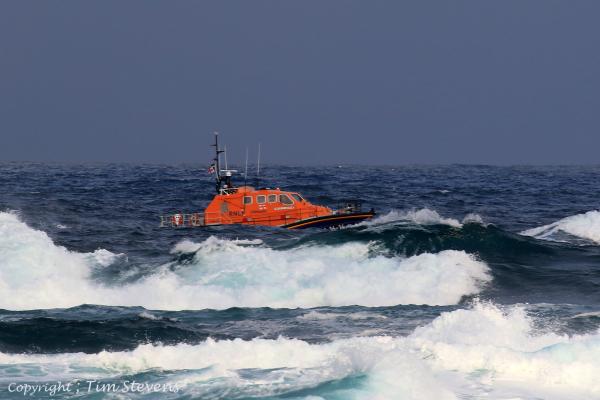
[(411, 239), (484, 350), (50, 335), (524, 268), (91, 329), (423, 260), (415, 232), (220, 273)]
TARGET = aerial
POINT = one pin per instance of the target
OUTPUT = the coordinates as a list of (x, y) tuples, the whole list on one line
[(299, 200)]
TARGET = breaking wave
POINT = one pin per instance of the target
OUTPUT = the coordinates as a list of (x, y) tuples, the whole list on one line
[(481, 351), (423, 216), (217, 273), (585, 226)]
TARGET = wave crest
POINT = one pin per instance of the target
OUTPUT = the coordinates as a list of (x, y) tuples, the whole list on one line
[(585, 226), (35, 273), (482, 351), (423, 216)]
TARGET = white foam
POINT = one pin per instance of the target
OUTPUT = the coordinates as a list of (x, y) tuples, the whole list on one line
[(586, 226), (148, 315), (187, 246), (502, 349), (35, 273), (480, 352), (473, 218), (423, 216), (278, 365)]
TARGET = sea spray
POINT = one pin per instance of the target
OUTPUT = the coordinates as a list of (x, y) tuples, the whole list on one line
[(36, 273)]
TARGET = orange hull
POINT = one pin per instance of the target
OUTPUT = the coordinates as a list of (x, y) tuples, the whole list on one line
[(266, 207)]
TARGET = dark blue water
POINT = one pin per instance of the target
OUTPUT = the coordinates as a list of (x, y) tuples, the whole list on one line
[(484, 280)]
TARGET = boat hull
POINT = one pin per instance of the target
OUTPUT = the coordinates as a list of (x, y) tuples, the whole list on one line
[(330, 221), (323, 221)]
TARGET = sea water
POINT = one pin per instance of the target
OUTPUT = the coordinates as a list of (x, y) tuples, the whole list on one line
[(472, 282)]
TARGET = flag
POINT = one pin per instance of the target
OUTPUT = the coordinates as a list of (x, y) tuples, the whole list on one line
[(211, 169)]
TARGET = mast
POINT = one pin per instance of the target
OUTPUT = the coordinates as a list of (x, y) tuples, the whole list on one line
[(217, 163)]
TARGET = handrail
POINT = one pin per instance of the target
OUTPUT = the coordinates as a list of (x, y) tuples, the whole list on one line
[(200, 219), (182, 219)]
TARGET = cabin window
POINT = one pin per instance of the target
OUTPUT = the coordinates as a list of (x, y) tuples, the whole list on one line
[(297, 197), (284, 199), (261, 199), (247, 199), (272, 198)]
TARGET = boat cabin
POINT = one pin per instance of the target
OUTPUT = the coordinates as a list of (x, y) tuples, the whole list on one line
[(265, 206)]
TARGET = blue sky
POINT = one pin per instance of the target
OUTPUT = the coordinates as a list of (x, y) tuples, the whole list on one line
[(368, 82)]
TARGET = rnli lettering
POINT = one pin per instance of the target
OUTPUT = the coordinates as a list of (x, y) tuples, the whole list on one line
[(236, 213)]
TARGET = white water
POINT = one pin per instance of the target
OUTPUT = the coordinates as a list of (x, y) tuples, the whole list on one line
[(585, 226), (36, 273), (423, 216), (482, 352)]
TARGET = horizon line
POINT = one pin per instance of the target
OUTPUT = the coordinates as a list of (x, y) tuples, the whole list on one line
[(277, 164)]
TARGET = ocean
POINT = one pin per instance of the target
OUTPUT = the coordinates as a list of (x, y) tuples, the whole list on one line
[(472, 282)]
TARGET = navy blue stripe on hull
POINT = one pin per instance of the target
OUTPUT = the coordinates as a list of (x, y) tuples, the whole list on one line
[(329, 221)]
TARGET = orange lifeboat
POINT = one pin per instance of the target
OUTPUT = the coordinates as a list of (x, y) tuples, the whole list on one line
[(265, 206)]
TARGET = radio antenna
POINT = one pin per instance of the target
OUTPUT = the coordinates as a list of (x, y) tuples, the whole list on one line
[(258, 166), (225, 154), (246, 172)]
